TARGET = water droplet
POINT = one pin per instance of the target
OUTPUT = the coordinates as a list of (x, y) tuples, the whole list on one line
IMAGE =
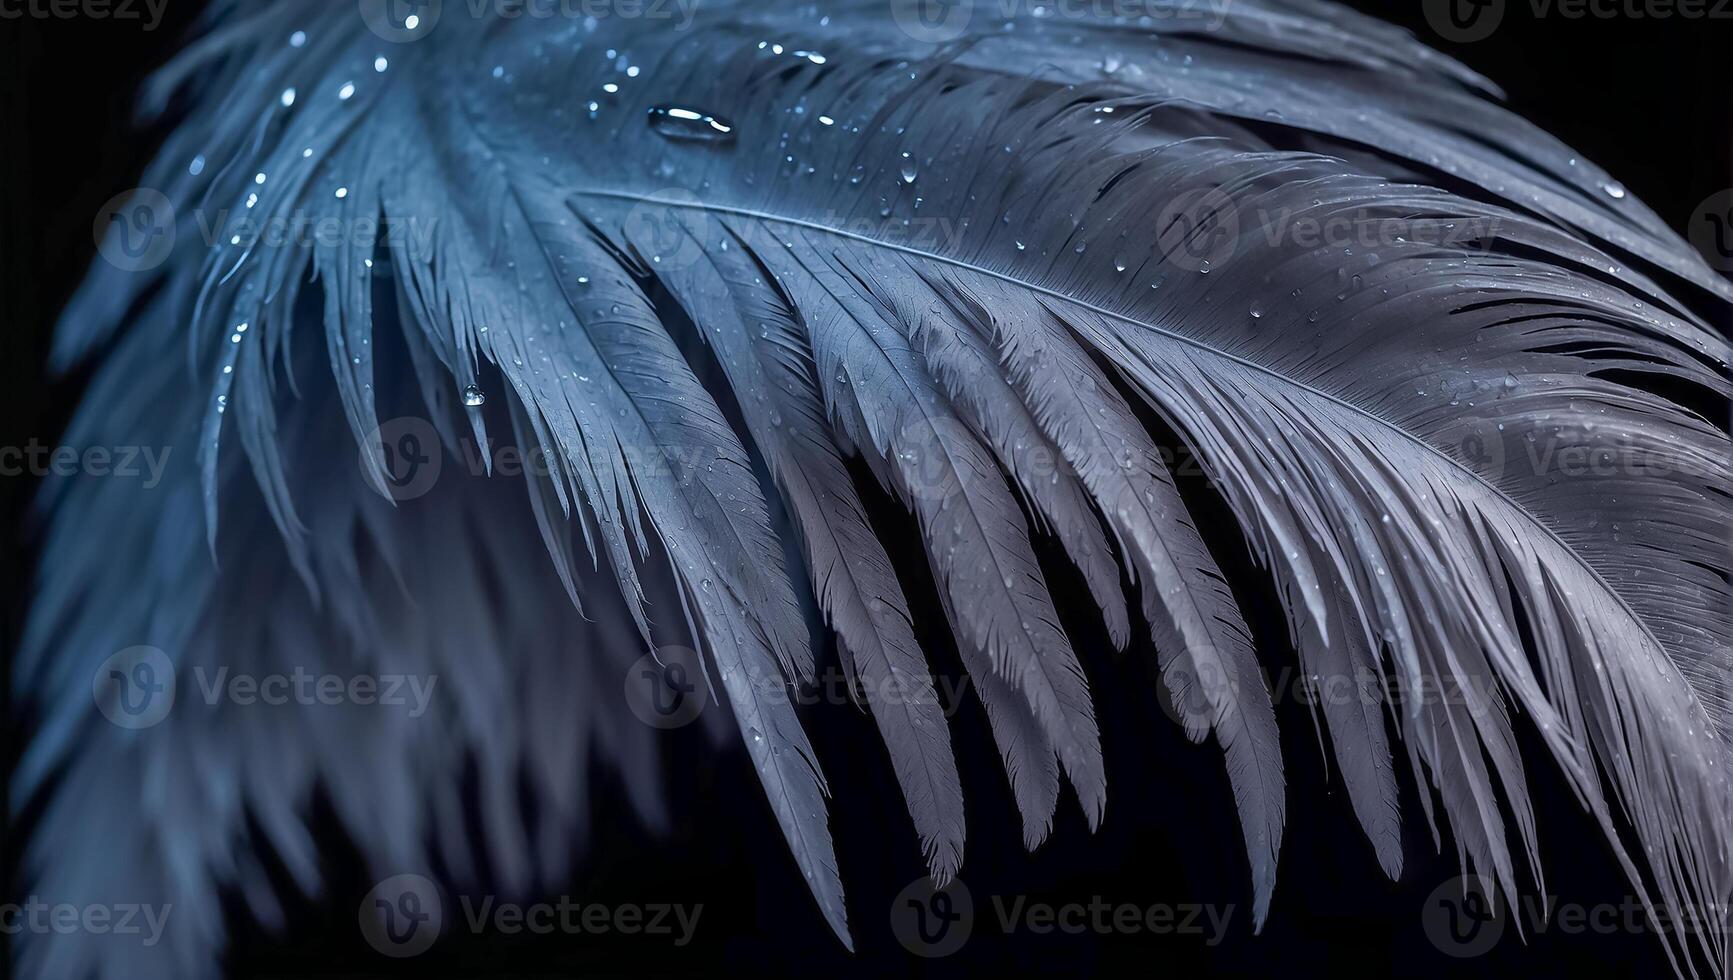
[(347, 91), (473, 397), (197, 166), (691, 125), (297, 39), (1614, 190), (380, 64), (342, 192), (288, 97)]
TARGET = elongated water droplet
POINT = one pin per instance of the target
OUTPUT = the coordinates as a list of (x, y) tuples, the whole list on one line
[(690, 125)]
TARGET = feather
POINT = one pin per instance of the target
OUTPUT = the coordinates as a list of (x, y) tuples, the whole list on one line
[(1471, 455)]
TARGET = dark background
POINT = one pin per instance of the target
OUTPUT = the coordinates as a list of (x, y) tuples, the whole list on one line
[(1649, 100)]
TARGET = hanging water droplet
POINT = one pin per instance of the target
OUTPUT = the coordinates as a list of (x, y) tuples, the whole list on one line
[(473, 397), (691, 125)]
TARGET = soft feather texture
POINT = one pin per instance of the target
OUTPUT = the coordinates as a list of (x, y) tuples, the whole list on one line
[(991, 376)]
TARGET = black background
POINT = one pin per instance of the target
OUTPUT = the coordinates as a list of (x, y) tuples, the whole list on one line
[(1649, 100)]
